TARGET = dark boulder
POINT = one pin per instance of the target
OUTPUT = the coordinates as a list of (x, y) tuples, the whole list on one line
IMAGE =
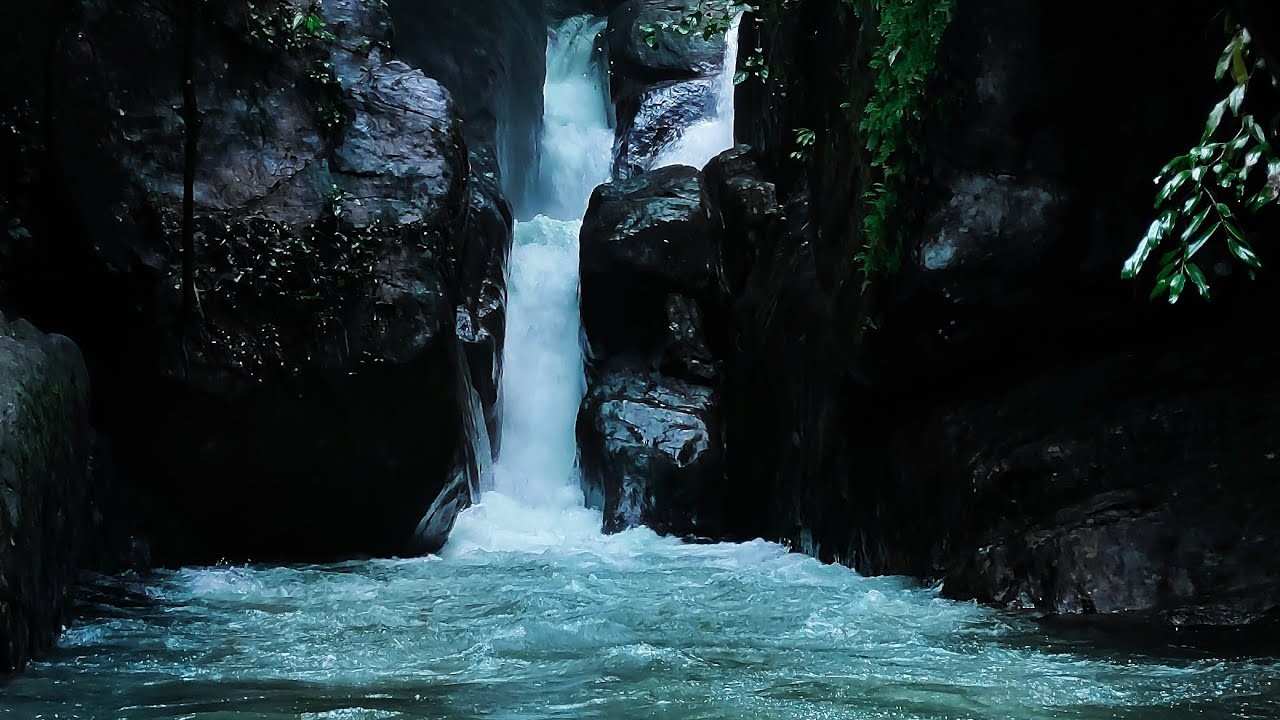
[(491, 55), (642, 240), (346, 261), (671, 56), (46, 495), (649, 428), (749, 211), (650, 449)]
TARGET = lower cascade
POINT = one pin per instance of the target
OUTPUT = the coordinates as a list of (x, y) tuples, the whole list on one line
[(530, 611)]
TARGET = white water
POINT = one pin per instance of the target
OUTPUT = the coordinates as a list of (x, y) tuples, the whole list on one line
[(536, 499)]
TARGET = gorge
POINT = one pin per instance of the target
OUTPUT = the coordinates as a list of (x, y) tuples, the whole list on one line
[(518, 389)]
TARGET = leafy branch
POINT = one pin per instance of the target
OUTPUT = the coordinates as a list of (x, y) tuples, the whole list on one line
[(709, 18), (1206, 191)]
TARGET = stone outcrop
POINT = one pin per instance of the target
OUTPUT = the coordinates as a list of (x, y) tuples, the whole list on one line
[(491, 55), (46, 498), (651, 452), (649, 428), (349, 270)]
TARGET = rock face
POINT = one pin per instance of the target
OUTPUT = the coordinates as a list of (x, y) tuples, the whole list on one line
[(654, 452), (491, 55), (658, 89), (45, 486), (649, 429), (642, 240), (349, 267), (1005, 413)]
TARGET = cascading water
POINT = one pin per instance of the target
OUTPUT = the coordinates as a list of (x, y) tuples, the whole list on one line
[(534, 615), (536, 500)]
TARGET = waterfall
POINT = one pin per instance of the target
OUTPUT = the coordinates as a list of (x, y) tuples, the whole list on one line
[(536, 497), (577, 140)]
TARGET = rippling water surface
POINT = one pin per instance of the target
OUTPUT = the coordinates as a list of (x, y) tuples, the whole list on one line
[(630, 626)]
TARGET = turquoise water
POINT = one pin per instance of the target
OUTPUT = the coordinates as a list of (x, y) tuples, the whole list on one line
[(630, 626)]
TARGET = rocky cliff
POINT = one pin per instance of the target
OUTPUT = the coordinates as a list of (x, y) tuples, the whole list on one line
[(349, 271), (1005, 413), (46, 494)]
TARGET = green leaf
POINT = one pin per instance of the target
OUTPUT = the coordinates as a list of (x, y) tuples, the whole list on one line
[(1176, 285), (1240, 248), (1265, 197), (1172, 187), (1182, 162), (1254, 129), (1195, 247), (1197, 278), (1236, 99), (1228, 55), (1162, 286), (1215, 119), (1134, 264), (1196, 224), (1239, 72)]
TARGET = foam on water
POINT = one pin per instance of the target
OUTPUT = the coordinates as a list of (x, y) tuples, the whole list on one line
[(632, 626)]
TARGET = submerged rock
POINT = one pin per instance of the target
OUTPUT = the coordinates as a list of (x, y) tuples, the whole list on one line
[(46, 496), (650, 449)]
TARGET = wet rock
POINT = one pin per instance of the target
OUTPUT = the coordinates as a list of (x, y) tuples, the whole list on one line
[(658, 89), (46, 498), (642, 240), (560, 9), (491, 55), (343, 250), (749, 210), (650, 449), (672, 56), (654, 118), (685, 354)]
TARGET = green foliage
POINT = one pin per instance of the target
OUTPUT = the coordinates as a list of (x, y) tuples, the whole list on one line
[(804, 140), (278, 24), (708, 18), (910, 33), (1233, 172)]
